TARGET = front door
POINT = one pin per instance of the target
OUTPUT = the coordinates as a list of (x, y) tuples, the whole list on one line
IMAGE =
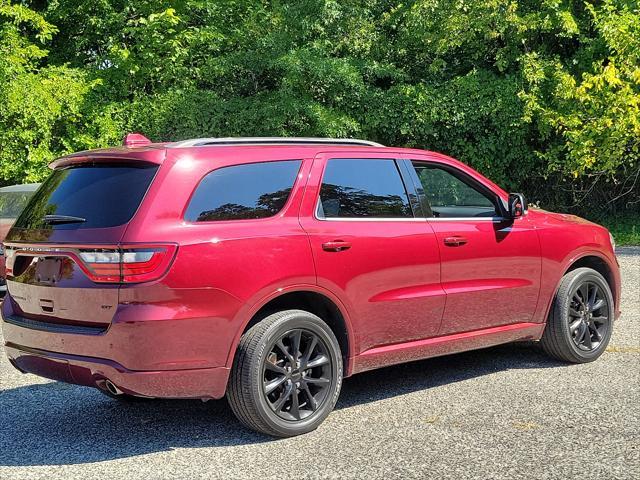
[(371, 251), (490, 266)]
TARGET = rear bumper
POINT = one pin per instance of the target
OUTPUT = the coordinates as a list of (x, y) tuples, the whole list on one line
[(92, 372), (147, 350)]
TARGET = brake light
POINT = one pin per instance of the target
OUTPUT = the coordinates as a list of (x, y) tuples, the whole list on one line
[(129, 264)]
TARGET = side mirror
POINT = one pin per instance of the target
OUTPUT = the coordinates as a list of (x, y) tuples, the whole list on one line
[(517, 205)]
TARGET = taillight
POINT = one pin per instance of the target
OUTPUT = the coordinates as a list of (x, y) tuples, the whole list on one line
[(129, 264), (103, 265), (8, 259), (145, 264)]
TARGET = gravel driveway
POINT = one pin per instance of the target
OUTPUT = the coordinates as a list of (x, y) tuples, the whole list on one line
[(506, 412)]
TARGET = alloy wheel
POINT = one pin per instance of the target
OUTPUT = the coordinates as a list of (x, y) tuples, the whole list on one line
[(588, 316), (297, 375)]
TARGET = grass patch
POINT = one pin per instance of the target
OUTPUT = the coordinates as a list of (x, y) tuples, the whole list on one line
[(625, 228)]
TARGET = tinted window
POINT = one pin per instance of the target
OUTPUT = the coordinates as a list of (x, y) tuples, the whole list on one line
[(102, 195), (363, 188), (254, 190), (450, 196)]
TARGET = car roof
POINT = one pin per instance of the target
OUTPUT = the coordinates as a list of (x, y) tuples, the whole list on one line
[(297, 147), (138, 148)]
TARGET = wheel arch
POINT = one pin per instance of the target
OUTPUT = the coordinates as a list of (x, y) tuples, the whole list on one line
[(313, 300), (596, 261)]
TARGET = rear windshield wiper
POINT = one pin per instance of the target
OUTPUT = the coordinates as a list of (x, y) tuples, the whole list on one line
[(58, 219)]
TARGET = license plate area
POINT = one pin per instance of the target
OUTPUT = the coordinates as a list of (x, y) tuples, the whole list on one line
[(48, 269)]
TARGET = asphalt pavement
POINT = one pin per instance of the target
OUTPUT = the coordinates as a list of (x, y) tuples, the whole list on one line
[(506, 412)]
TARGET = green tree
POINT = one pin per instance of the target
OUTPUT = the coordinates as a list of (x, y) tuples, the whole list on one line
[(531, 92), (39, 103)]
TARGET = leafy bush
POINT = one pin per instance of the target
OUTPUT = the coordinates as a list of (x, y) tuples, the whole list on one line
[(39, 106), (541, 96)]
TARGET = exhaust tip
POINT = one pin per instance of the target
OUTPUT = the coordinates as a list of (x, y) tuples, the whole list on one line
[(111, 388)]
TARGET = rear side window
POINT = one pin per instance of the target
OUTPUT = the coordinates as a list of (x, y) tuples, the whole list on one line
[(94, 195), (363, 188), (240, 192)]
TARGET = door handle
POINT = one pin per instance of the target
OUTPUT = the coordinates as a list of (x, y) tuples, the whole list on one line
[(455, 241), (336, 246)]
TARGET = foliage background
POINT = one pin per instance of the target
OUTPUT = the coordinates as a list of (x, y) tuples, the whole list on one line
[(541, 96)]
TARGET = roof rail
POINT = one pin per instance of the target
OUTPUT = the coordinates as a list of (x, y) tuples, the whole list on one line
[(199, 142)]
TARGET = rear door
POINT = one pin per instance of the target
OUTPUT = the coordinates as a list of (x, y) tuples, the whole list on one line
[(490, 265), (57, 250), (370, 250)]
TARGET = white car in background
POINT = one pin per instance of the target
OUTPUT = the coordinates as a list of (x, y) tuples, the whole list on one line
[(13, 199)]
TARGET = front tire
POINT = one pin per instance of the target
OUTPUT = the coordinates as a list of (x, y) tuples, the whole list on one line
[(581, 319), (286, 375)]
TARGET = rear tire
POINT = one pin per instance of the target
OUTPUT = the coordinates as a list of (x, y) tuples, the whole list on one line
[(581, 318), (286, 375)]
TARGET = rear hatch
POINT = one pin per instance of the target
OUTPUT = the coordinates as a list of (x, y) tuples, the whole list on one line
[(63, 254)]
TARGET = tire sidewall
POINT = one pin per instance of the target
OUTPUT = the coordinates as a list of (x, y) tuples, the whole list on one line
[(305, 321)]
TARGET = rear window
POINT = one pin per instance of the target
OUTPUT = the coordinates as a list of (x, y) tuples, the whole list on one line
[(102, 195), (240, 192)]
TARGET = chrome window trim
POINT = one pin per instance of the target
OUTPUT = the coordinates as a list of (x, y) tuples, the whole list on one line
[(368, 219), (413, 219), (468, 219)]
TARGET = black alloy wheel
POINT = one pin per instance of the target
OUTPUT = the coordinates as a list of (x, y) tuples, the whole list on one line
[(588, 316), (297, 374)]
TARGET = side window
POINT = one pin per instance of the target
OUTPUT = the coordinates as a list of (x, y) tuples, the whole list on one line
[(239, 192), (450, 196), (353, 188)]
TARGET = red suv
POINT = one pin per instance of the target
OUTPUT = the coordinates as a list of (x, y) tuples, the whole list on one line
[(268, 269)]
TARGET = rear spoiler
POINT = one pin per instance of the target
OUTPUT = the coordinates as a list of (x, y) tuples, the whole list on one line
[(148, 154)]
